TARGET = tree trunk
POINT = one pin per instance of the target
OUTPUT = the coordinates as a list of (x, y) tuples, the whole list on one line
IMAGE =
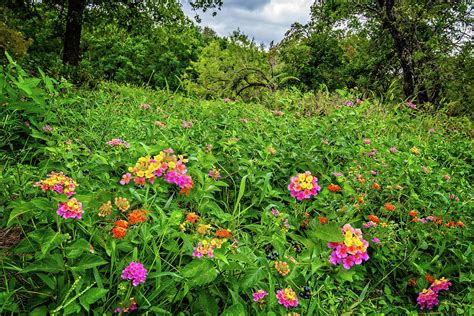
[(401, 48), (72, 37)]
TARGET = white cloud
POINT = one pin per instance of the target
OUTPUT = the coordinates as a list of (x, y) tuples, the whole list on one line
[(264, 20)]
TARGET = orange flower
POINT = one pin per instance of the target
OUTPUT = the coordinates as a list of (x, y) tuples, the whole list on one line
[(373, 218), (360, 178), (119, 232), (223, 233), (282, 267), (376, 186), (121, 223), (429, 278), (323, 220), (137, 216), (450, 224), (360, 199), (460, 224), (334, 188), (192, 217), (413, 213), (389, 207), (105, 209)]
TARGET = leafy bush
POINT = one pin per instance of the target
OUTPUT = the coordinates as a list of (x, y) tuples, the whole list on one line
[(241, 158)]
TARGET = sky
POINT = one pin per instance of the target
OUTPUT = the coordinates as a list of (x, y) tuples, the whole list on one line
[(263, 20)]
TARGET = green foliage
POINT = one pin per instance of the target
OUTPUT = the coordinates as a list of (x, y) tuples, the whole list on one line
[(69, 266), (13, 41)]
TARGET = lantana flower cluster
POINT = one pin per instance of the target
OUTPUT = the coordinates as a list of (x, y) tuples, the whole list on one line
[(287, 297), (259, 296), (70, 209), (428, 298), (206, 247), (121, 226), (135, 272), (351, 251), (116, 142), (303, 186), (58, 182), (166, 165)]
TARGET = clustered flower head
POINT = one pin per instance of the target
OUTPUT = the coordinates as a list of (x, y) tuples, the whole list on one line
[(223, 233), (214, 174), (334, 188), (137, 216), (105, 209), (282, 267), (47, 129), (428, 298), (186, 124), (118, 142), (70, 209), (287, 297), (259, 296), (135, 272), (348, 103), (120, 229), (122, 204), (353, 250), (204, 248), (166, 164), (59, 183), (303, 186), (411, 105)]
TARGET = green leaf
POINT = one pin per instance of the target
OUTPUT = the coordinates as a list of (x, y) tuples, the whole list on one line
[(328, 232), (251, 278), (89, 261), (200, 272), (92, 296), (51, 264), (77, 248), (234, 310)]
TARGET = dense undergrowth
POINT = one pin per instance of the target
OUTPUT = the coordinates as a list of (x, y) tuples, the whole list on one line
[(402, 176)]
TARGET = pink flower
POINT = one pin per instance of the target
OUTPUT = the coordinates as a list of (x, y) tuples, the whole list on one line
[(145, 106), (431, 130), (348, 103), (303, 186), (126, 178), (259, 295), (393, 150), (427, 299), (375, 240), (348, 262), (338, 174), (373, 172), (275, 212), (186, 124), (366, 141), (287, 297), (411, 105), (70, 209), (226, 100), (441, 284), (447, 177), (135, 272), (372, 153), (47, 128)]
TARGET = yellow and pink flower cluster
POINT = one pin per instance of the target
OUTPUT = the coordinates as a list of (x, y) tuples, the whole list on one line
[(58, 182), (353, 250), (166, 164), (303, 186)]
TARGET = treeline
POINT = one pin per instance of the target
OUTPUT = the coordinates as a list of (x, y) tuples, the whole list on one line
[(408, 50)]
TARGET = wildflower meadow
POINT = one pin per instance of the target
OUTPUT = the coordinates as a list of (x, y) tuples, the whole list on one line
[(126, 200)]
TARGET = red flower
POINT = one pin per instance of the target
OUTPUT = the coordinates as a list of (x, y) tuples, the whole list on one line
[(119, 232), (334, 188), (323, 220), (389, 207), (413, 213), (121, 223), (223, 233), (192, 217), (429, 278), (376, 186), (373, 218), (137, 216), (460, 224)]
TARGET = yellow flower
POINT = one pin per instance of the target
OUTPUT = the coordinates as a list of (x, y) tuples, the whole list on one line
[(171, 165), (203, 228)]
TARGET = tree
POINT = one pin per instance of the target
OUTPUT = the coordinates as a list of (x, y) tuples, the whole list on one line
[(422, 33)]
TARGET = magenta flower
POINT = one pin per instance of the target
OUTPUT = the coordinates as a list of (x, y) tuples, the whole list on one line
[(118, 142), (427, 299), (70, 209), (303, 186), (441, 284), (348, 262), (287, 297), (351, 251), (135, 272), (375, 240), (275, 212), (348, 103), (259, 296)]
